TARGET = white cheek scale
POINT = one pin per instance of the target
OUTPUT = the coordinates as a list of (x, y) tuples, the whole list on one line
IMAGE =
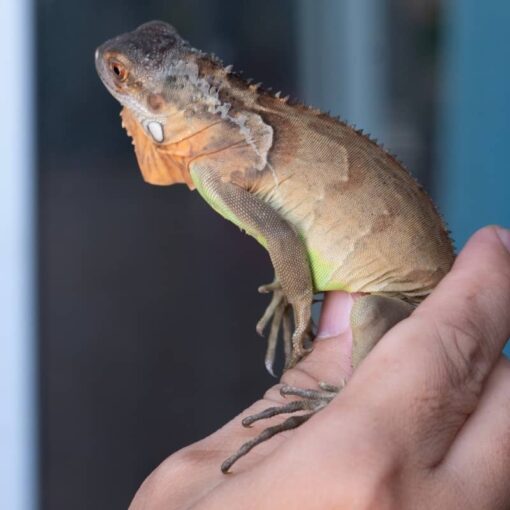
[(156, 131)]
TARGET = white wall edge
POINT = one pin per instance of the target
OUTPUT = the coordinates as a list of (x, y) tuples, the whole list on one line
[(18, 402)]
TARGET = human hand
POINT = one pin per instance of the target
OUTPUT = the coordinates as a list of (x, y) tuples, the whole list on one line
[(423, 423)]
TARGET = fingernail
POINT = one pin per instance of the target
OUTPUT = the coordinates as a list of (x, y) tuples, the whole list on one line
[(334, 315), (504, 235)]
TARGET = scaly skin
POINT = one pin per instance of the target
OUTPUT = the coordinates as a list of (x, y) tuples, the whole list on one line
[(332, 208)]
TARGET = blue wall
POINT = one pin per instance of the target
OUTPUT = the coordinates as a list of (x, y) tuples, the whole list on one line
[(474, 134)]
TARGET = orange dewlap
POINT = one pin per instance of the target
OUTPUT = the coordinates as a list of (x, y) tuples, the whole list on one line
[(167, 164)]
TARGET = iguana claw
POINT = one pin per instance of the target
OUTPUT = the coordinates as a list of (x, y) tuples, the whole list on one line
[(279, 311)]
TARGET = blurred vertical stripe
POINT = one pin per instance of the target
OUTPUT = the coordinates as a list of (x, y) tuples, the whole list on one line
[(18, 411), (338, 36), (474, 131)]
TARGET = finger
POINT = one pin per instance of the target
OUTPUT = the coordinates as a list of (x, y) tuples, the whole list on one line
[(479, 456), (335, 312), (429, 370), (470, 306), (195, 470), (330, 359), (328, 362)]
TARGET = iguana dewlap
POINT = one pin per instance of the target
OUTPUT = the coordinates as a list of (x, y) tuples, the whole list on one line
[(331, 207)]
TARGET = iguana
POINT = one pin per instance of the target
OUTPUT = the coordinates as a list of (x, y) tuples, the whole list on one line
[(331, 207)]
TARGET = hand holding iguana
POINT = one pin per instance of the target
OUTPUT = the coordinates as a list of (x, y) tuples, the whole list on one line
[(332, 208), (423, 424)]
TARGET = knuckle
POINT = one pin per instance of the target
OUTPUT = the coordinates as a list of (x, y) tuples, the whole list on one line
[(434, 415), (463, 343), (465, 359)]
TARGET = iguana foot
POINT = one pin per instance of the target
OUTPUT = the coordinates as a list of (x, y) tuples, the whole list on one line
[(279, 311), (301, 345), (312, 401)]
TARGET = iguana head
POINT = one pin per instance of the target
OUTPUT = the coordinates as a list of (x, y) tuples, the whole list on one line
[(141, 69), (154, 74), (172, 94)]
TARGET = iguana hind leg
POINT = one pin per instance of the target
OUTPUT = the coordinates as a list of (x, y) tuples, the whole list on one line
[(371, 317)]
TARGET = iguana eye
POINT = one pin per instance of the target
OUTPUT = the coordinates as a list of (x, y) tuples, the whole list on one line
[(118, 70)]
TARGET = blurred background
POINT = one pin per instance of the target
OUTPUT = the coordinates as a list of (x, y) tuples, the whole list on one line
[(127, 311)]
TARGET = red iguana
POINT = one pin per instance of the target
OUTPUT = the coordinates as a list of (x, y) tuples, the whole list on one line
[(331, 207)]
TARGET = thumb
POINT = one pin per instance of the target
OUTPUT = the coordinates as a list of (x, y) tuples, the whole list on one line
[(330, 360)]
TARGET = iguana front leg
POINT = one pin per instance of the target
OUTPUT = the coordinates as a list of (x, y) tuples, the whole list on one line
[(286, 250)]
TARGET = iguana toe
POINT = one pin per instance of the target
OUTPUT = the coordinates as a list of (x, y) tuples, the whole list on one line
[(311, 400)]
